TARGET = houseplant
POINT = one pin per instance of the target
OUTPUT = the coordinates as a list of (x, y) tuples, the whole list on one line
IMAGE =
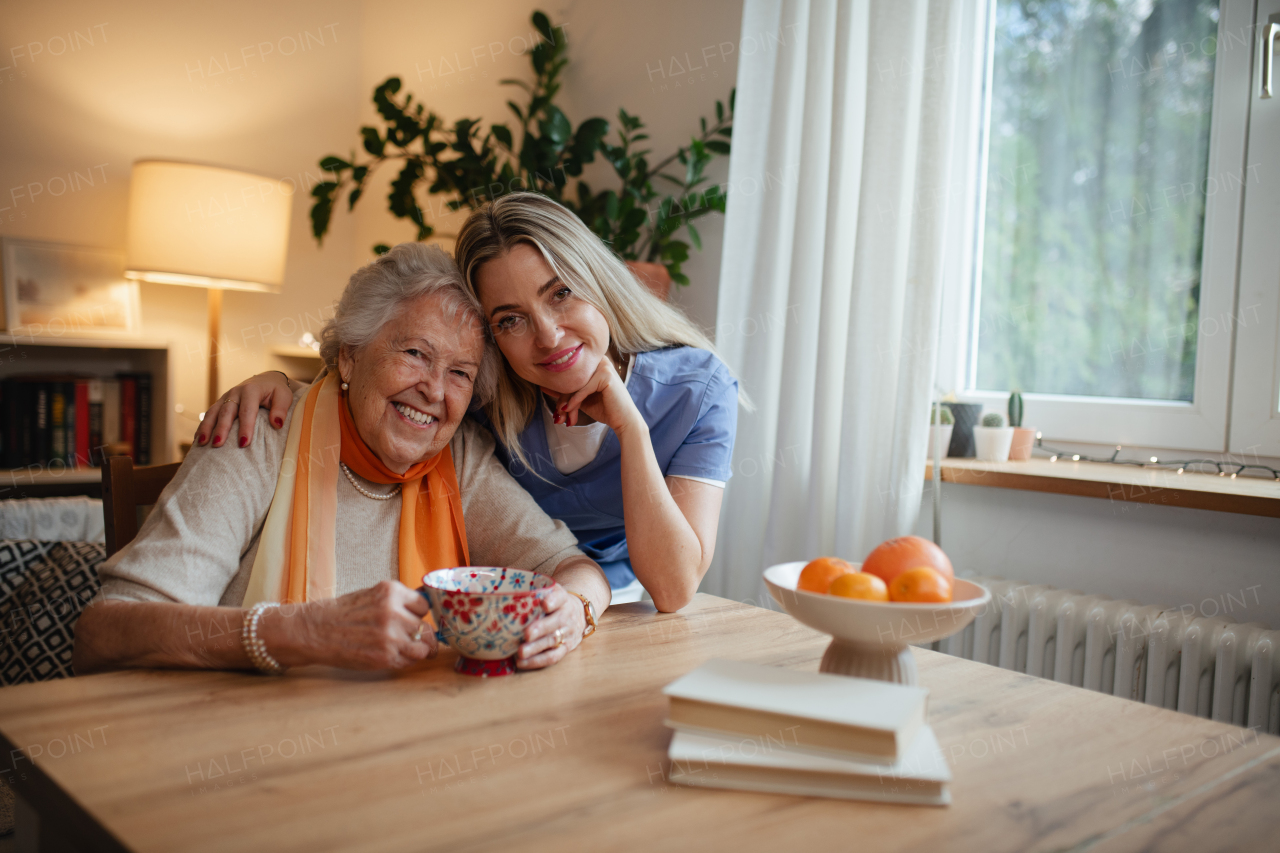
[(966, 418), (992, 438), (1024, 438), (941, 423), (465, 166)]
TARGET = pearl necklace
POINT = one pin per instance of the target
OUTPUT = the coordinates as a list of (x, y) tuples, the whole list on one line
[(362, 490)]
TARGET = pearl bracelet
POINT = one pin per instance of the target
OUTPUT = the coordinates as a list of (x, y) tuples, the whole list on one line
[(254, 647)]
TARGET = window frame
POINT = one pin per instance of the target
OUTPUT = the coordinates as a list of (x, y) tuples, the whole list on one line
[(1255, 408), (1201, 424)]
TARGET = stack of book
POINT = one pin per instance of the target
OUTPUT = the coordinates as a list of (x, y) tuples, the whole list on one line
[(760, 728), (73, 421)]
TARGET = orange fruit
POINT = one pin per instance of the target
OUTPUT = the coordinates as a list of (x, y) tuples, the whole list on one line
[(921, 584), (895, 556), (859, 585), (818, 575)]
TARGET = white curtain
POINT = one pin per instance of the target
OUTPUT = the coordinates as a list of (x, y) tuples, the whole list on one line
[(832, 273)]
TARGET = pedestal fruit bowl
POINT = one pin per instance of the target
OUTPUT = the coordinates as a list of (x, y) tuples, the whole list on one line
[(869, 639)]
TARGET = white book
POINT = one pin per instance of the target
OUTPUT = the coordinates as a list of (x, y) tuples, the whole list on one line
[(852, 718), (920, 777)]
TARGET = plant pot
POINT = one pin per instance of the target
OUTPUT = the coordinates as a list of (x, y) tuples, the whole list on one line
[(1024, 438), (992, 443), (967, 416), (939, 435), (653, 276)]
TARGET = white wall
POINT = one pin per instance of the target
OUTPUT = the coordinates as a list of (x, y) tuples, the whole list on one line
[(1149, 553)]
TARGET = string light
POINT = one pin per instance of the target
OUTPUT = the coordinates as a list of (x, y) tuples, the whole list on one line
[(1222, 468)]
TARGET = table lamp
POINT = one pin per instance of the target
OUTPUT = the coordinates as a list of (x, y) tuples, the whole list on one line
[(207, 226)]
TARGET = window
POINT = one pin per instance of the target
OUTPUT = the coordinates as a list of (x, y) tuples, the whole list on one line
[(1096, 186), (1112, 155)]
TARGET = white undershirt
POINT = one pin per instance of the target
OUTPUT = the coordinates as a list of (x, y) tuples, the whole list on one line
[(573, 447)]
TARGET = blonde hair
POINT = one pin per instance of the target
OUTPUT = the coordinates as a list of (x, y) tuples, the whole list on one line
[(638, 320), (377, 290)]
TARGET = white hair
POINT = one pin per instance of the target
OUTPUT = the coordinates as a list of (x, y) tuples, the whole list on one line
[(377, 290)]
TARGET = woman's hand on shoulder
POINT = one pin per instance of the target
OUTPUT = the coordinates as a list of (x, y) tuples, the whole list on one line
[(562, 612), (371, 628), (604, 398), (266, 390)]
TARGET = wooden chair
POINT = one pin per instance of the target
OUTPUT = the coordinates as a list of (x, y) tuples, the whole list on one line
[(124, 489)]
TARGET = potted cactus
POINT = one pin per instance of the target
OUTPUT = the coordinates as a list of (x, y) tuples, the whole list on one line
[(941, 422), (1024, 438), (992, 438)]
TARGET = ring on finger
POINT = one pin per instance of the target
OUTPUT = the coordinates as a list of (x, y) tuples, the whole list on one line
[(417, 635), (559, 637)]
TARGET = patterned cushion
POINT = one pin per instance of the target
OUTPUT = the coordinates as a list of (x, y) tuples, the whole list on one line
[(43, 588)]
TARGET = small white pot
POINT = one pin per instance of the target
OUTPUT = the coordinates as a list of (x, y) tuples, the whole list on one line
[(992, 443), (941, 433)]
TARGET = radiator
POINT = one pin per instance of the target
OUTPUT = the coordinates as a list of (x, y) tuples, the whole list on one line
[(1167, 657)]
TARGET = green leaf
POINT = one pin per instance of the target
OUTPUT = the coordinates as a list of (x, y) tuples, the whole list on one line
[(556, 126), (717, 146), (719, 112), (381, 249), (514, 82), (694, 236), (678, 277), (334, 164), (502, 133), (373, 143), (354, 197), (543, 25), (515, 109), (322, 209), (676, 250)]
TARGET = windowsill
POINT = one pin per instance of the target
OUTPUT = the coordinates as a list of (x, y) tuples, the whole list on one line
[(1245, 495)]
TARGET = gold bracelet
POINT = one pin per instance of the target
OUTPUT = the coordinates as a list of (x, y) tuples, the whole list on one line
[(587, 608)]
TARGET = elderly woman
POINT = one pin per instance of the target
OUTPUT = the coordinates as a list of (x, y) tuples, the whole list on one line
[(370, 485)]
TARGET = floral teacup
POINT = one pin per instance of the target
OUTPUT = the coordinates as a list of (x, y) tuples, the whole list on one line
[(482, 612)]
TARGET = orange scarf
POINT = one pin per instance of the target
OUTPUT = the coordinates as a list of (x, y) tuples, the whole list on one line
[(296, 551)]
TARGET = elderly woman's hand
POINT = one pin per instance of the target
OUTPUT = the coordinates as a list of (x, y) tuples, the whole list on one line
[(561, 611), (372, 628)]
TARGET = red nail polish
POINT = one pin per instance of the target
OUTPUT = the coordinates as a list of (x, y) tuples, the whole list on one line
[(279, 422), (243, 441), (217, 441), (202, 439)]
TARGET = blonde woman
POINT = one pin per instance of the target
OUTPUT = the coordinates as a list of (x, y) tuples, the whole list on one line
[(612, 408)]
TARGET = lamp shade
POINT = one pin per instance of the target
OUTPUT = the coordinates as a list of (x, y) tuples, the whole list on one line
[(206, 226)]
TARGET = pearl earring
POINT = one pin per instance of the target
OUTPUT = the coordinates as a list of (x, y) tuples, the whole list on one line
[(345, 386)]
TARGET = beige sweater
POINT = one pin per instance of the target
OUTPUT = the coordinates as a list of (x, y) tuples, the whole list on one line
[(198, 544)]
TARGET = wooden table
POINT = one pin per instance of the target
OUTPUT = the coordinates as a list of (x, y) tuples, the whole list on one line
[(574, 758)]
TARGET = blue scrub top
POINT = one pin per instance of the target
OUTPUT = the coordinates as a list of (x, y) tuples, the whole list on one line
[(690, 402)]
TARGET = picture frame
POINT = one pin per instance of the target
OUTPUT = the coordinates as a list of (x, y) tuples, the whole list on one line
[(61, 290)]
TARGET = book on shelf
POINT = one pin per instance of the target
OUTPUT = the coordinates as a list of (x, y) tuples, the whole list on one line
[(71, 420), (832, 715), (920, 776)]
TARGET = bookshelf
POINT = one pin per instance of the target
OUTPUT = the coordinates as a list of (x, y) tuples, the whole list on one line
[(91, 358)]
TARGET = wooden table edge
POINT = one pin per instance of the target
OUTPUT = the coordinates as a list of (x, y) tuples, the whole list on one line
[(1110, 490)]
